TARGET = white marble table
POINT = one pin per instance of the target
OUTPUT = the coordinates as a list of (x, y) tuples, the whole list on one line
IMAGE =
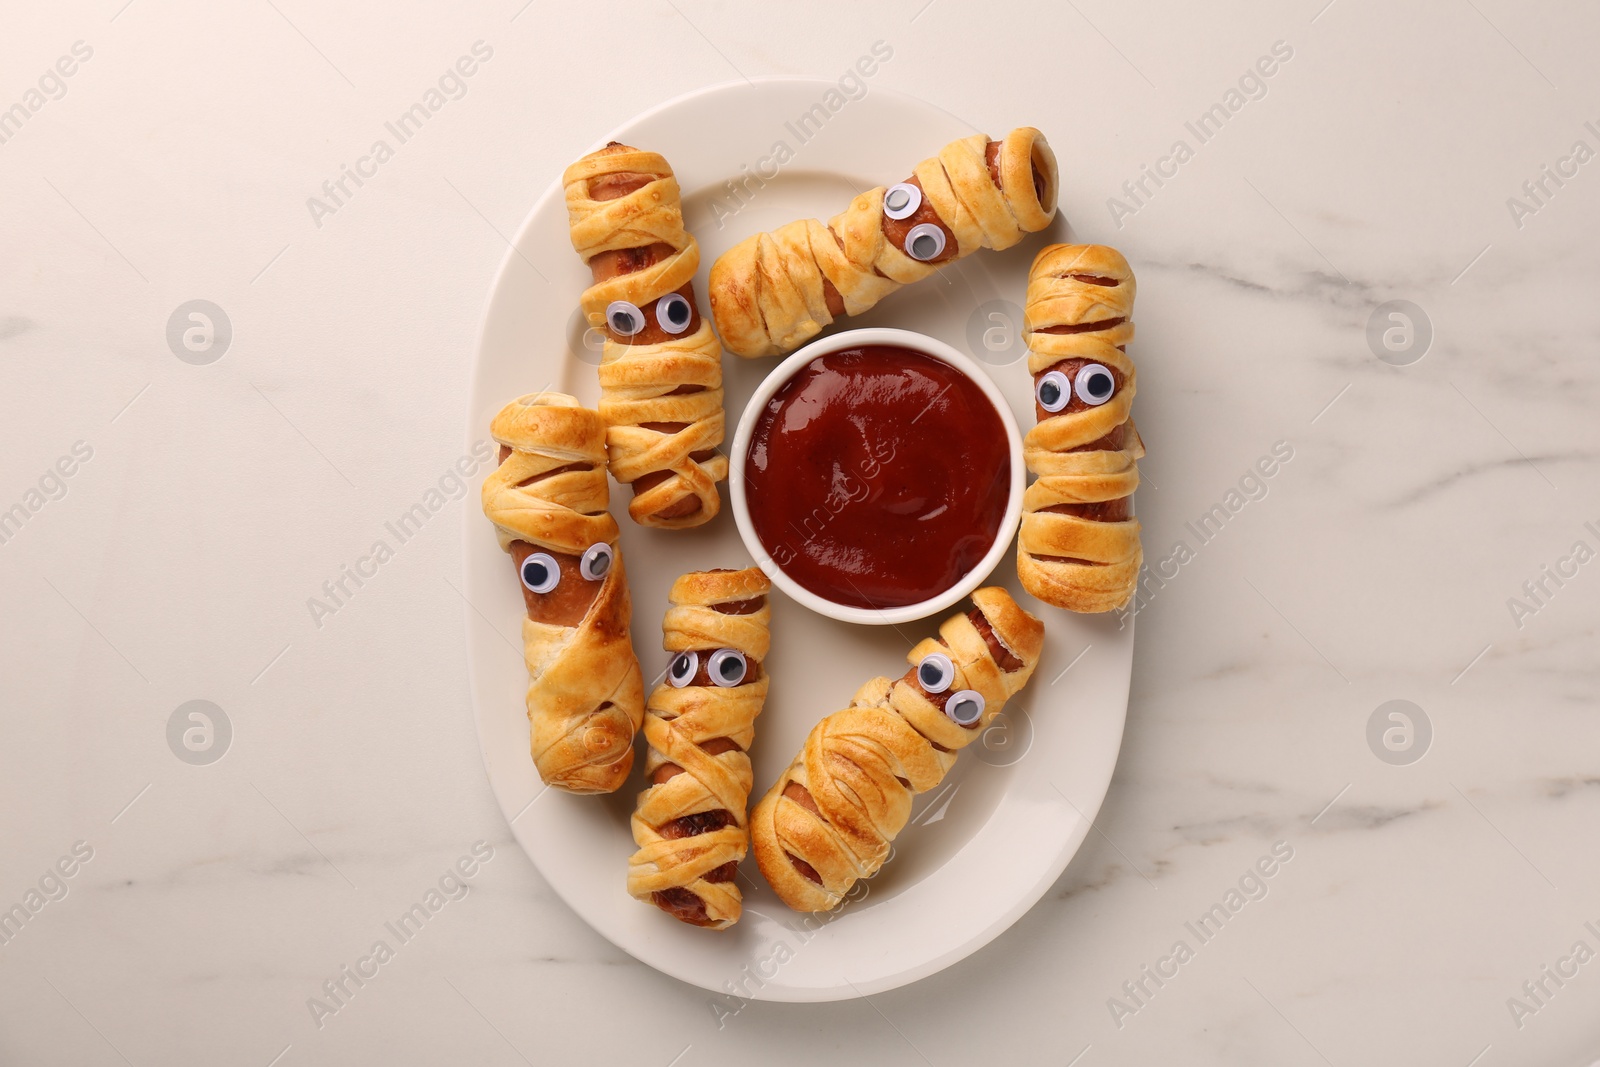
[(1428, 908)]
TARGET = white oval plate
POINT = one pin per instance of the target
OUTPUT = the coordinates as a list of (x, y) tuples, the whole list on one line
[(985, 845)]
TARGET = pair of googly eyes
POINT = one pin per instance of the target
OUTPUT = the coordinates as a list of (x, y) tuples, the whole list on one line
[(672, 315), (541, 573), (924, 241), (726, 667), (936, 674), (1094, 386)]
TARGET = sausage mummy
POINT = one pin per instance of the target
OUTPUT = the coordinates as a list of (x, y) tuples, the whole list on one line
[(690, 823), (547, 500), (1079, 543), (772, 292), (830, 817), (661, 366)]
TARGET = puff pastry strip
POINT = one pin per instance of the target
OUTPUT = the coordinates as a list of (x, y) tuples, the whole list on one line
[(774, 291), (660, 365), (547, 500), (1079, 543), (830, 817), (690, 823)]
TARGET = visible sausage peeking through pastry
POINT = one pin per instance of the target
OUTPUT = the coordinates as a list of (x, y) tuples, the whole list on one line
[(547, 499), (829, 819), (774, 291), (1078, 547), (661, 365), (690, 822)]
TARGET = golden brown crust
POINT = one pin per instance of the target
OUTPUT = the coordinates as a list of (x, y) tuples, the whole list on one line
[(661, 402), (672, 864), (863, 766), (769, 292), (1071, 560), (585, 695)]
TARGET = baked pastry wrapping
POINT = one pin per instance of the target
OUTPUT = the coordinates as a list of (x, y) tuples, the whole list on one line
[(1079, 543), (547, 500), (660, 364), (690, 823), (772, 292), (829, 819)]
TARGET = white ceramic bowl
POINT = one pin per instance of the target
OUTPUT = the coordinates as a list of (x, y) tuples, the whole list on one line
[(791, 366)]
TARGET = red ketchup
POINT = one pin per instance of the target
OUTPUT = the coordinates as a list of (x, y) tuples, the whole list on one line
[(878, 476)]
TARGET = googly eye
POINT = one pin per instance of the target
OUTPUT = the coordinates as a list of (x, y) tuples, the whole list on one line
[(935, 673), (673, 313), (727, 667), (540, 572), (965, 707), (901, 201), (596, 561), (683, 668), (925, 242), (1094, 384), (625, 319), (1054, 391)]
